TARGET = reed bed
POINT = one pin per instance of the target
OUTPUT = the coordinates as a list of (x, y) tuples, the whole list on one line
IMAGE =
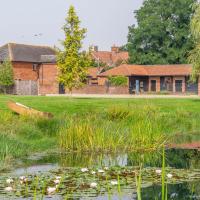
[(120, 130)]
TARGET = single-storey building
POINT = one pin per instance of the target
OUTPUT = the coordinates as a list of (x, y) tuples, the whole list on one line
[(155, 78)]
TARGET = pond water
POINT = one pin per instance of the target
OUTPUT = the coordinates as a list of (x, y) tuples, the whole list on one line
[(114, 175)]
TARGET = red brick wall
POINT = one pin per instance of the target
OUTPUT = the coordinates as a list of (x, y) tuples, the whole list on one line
[(48, 79), (98, 89), (24, 71)]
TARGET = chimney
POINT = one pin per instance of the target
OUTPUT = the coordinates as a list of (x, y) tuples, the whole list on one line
[(96, 48), (115, 49)]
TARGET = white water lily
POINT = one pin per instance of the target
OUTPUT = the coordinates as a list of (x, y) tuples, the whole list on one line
[(9, 180), (8, 189), (58, 177), (169, 175), (22, 178), (57, 181), (93, 172), (93, 185), (101, 171), (114, 182), (158, 171), (51, 190), (84, 170)]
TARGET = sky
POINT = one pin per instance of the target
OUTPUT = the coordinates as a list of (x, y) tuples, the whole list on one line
[(39, 21)]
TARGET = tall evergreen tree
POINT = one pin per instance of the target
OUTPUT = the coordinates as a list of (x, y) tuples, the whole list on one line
[(163, 32), (72, 63)]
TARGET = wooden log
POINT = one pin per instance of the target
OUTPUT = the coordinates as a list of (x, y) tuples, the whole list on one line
[(24, 110)]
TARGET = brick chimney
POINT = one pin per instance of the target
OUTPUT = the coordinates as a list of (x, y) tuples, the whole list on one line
[(96, 48), (115, 49)]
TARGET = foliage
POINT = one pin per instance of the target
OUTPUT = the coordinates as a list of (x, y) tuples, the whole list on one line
[(163, 34), (6, 74), (118, 80), (72, 63), (194, 57)]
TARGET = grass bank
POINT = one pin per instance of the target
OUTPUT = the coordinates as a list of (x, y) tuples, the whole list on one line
[(95, 124)]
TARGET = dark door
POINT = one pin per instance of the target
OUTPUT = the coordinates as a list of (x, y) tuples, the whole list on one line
[(178, 85), (153, 85), (61, 89)]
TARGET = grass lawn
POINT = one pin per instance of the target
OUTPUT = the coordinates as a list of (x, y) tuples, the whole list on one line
[(96, 124)]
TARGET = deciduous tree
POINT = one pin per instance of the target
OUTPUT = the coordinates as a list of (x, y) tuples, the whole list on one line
[(162, 35), (194, 57)]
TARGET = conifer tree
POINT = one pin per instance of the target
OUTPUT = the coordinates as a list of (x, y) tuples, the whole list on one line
[(72, 62)]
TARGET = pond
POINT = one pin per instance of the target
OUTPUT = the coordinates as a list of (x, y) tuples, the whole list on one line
[(86, 176)]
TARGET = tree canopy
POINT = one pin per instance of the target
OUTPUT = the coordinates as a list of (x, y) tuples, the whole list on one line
[(72, 62), (162, 35), (6, 74), (194, 57)]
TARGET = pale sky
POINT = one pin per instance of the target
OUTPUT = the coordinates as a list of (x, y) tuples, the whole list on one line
[(40, 21)]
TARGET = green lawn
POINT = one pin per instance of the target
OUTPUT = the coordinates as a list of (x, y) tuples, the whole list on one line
[(96, 124)]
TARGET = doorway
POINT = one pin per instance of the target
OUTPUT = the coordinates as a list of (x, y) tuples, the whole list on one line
[(153, 85), (178, 85)]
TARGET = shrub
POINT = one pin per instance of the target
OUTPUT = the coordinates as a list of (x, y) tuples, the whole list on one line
[(118, 80)]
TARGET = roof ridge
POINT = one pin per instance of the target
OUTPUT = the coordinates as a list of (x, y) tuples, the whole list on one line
[(31, 45), (10, 53)]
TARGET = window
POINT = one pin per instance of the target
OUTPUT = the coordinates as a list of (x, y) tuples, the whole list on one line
[(35, 66)]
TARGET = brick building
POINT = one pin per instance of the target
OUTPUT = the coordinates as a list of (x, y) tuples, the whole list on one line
[(111, 58), (155, 78), (33, 66)]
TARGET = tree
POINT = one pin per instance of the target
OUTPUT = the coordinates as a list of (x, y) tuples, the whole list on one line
[(194, 57), (72, 63), (6, 75), (163, 32)]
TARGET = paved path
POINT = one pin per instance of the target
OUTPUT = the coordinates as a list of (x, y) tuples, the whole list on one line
[(129, 96)]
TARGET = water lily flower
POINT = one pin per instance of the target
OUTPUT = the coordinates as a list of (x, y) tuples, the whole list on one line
[(9, 180), (8, 189), (57, 181), (22, 178), (114, 182), (58, 177), (51, 190), (93, 185), (84, 170), (101, 171), (169, 175), (158, 171), (93, 172)]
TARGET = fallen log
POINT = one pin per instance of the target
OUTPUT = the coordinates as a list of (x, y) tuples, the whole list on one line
[(24, 110)]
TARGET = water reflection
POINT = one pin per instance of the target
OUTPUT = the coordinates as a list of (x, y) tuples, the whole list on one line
[(179, 159)]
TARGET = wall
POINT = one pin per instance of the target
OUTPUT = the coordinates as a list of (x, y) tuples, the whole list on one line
[(24, 71), (96, 89), (48, 79)]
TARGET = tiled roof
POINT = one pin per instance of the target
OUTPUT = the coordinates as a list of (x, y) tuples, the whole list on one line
[(110, 58), (94, 72), (149, 70), (24, 53)]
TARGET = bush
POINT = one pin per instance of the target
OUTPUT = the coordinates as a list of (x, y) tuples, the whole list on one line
[(118, 81)]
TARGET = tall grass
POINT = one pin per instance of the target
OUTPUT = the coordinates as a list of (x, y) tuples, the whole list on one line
[(118, 131)]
